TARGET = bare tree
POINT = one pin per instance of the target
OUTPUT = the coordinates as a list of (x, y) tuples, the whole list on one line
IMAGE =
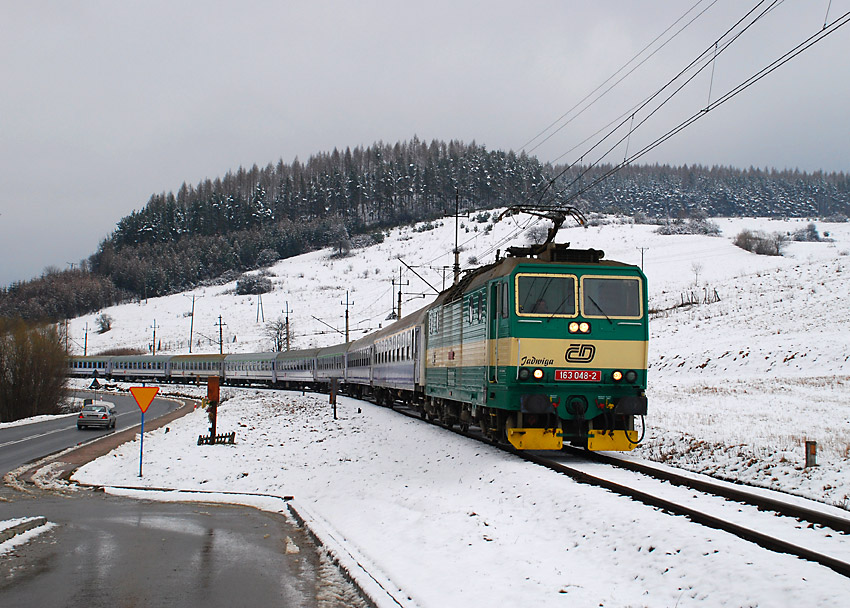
[(696, 267), (276, 331), (32, 368)]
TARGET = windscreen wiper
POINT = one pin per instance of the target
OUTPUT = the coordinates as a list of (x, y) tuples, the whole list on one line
[(600, 309)]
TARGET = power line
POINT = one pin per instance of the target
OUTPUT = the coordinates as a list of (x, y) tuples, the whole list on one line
[(701, 62), (690, 66), (771, 67), (624, 66)]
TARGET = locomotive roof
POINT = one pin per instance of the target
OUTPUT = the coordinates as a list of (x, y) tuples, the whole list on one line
[(590, 258), (506, 266)]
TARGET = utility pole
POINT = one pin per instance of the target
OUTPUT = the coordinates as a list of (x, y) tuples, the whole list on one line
[(286, 312), (192, 319), (153, 344), (260, 311), (642, 249), (346, 304), (456, 267), (221, 325), (400, 284), (86, 342)]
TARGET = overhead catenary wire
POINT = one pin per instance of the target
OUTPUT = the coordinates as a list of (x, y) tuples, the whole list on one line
[(690, 66), (624, 66), (771, 67), (698, 64)]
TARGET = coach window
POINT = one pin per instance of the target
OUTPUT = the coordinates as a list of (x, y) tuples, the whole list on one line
[(606, 297)]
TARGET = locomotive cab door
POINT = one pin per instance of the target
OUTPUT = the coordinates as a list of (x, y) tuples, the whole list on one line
[(498, 326)]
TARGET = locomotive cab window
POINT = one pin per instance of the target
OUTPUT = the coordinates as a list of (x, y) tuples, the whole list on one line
[(546, 295), (611, 297)]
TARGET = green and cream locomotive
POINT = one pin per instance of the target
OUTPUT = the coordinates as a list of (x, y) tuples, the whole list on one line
[(542, 349)]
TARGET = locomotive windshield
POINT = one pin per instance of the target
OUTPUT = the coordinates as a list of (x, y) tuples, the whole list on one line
[(611, 297), (539, 294)]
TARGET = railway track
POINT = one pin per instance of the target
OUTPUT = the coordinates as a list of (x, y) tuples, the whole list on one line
[(784, 525), (781, 524)]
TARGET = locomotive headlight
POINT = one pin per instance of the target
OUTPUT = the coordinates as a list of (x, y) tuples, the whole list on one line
[(524, 373), (617, 375), (631, 376), (584, 327), (538, 374), (573, 327)]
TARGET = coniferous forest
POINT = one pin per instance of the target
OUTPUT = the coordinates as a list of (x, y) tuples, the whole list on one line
[(256, 216)]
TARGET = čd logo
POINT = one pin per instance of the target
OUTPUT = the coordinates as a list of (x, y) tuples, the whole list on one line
[(580, 353)]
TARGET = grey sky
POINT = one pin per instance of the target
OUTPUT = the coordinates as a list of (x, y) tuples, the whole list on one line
[(104, 103)]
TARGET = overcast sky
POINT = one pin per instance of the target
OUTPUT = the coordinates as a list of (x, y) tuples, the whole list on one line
[(104, 103)]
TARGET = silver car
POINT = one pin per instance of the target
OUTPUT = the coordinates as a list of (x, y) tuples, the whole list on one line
[(98, 415)]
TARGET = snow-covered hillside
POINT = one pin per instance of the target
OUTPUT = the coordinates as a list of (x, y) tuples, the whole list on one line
[(735, 386)]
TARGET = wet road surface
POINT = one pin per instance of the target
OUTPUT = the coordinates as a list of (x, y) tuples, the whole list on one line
[(108, 551), (116, 552)]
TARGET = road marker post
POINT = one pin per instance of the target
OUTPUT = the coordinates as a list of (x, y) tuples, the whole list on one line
[(212, 400), (144, 396)]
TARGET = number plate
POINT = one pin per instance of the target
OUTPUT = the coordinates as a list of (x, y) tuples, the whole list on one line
[(578, 375)]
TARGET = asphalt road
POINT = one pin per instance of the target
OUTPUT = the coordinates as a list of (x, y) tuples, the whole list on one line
[(28, 442), (108, 551)]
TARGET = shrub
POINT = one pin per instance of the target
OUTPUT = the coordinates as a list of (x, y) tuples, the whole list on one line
[(691, 226), (104, 323), (761, 243), (808, 234), (253, 284)]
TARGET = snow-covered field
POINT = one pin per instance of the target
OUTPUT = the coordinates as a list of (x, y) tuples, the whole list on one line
[(736, 386)]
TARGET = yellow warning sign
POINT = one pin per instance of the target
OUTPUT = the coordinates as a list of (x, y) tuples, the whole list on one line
[(144, 395)]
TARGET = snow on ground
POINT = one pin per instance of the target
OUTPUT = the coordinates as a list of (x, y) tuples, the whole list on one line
[(457, 523), (35, 419), (24, 537), (736, 387)]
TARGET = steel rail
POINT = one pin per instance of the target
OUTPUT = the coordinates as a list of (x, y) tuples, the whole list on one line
[(763, 503), (763, 540)]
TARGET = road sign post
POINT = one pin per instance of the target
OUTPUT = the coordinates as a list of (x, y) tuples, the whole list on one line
[(212, 410), (144, 396)]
